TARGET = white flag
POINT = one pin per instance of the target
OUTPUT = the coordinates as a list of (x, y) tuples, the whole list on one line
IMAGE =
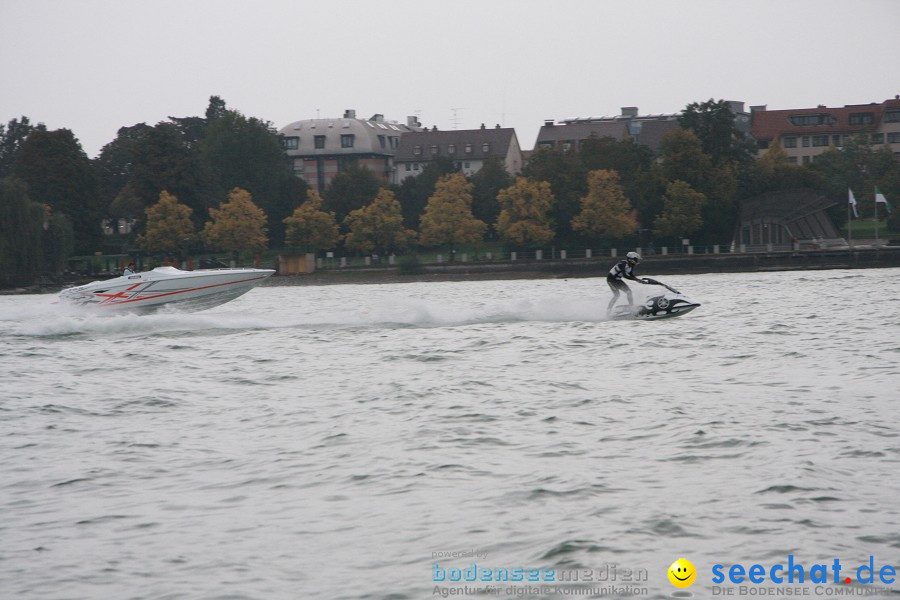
[(853, 204), (879, 197)]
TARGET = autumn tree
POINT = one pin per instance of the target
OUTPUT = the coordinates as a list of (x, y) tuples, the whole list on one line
[(379, 226), (524, 217), (448, 215), (238, 226), (311, 226), (682, 211), (605, 211), (169, 227)]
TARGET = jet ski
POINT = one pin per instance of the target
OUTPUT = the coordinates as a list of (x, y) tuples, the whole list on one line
[(666, 306), (165, 286)]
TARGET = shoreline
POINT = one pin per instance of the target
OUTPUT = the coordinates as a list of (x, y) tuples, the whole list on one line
[(679, 264)]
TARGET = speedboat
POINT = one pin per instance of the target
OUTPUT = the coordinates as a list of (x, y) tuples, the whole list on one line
[(665, 306), (166, 286)]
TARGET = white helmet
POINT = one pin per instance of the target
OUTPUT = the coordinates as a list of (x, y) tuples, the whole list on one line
[(633, 258)]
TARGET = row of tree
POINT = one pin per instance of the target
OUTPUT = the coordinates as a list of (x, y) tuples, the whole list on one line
[(604, 191)]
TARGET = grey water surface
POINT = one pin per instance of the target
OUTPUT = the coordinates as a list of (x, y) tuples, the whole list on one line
[(358, 441)]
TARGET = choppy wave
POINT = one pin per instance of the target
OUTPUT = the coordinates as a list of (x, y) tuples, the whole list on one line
[(330, 442)]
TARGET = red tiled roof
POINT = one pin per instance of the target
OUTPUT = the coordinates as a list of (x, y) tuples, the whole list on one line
[(768, 124)]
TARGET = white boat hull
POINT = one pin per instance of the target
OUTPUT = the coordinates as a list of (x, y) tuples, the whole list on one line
[(166, 286)]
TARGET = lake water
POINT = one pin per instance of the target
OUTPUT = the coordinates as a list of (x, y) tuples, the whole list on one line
[(346, 441)]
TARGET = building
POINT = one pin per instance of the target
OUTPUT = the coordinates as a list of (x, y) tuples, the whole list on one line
[(319, 149), (805, 133), (643, 129), (468, 148)]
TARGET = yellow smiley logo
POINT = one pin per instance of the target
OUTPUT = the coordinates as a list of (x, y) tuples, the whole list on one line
[(682, 573)]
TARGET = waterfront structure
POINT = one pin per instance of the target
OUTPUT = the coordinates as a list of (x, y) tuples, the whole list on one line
[(805, 133), (319, 149), (468, 148)]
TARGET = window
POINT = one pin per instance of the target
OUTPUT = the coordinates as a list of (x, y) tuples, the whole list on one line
[(546, 144), (877, 138), (790, 142), (417, 150), (893, 138), (451, 149), (395, 141), (792, 160), (819, 140), (347, 140), (434, 149), (762, 144), (468, 148), (408, 167), (320, 141), (806, 141), (836, 140), (804, 120), (806, 160), (291, 143), (486, 147), (892, 116), (861, 118), (415, 166), (382, 140)]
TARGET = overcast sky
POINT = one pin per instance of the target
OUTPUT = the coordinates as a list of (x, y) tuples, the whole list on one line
[(93, 66)]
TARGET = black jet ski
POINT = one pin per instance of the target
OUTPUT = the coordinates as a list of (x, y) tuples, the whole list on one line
[(670, 304)]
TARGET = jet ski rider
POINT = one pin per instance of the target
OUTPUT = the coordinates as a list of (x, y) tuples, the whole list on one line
[(624, 269)]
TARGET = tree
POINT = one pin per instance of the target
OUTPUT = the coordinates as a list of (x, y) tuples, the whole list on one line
[(169, 227), (486, 184), (12, 135), (713, 123), (681, 215), (350, 190), (567, 177), (21, 223), (605, 210), (448, 215), (161, 160), (247, 152), (237, 226), (114, 169), (414, 192), (378, 226), (524, 217), (311, 226), (59, 174)]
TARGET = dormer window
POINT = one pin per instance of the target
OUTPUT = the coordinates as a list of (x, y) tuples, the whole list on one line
[(486, 147), (434, 149), (417, 150), (291, 143), (451, 149), (468, 148)]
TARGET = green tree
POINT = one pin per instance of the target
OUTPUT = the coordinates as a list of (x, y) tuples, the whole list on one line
[(169, 227), (682, 211), (57, 240), (162, 160), (113, 167), (247, 152), (378, 226), (525, 208), (238, 226), (713, 123), (605, 210), (12, 135), (350, 190), (486, 185), (59, 174), (413, 192), (311, 226), (564, 171), (21, 223), (448, 215)]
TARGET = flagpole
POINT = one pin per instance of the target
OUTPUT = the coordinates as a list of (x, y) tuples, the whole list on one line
[(876, 223), (849, 226)]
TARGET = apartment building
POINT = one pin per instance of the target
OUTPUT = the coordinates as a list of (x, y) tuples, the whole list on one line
[(468, 148), (805, 133), (319, 149)]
